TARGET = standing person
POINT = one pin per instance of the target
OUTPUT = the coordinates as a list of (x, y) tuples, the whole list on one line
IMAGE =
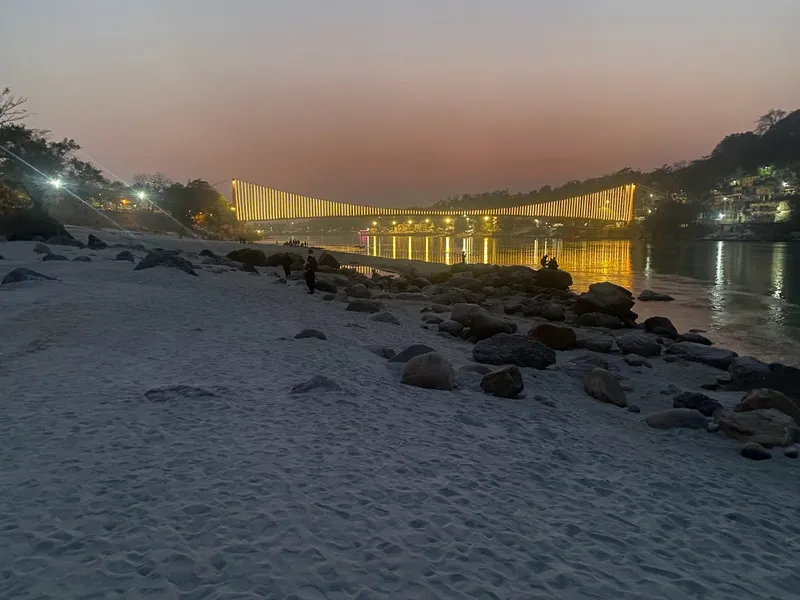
[(286, 263), (464, 256), (311, 271), (543, 262)]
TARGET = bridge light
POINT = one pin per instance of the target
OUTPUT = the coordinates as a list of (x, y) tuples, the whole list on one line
[(448, 220), (427, 220), (410, 222)]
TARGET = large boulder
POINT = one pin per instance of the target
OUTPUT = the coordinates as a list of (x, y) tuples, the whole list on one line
[(697, 401), (660, 326), (513, 349), (481, 322), (251, 256), (694, 337), (95, 243), (553, 278), (768, 427), (764, 398), (636, 342), (157, 258), (748, 373), (430, 371), (557, 337), (21, 274), (505, 383), (357, 290), (719, 358), (593, 342), (410, 352), (25, 225), (552, 312), (444, 294), (606, 298), (323, 284), (466, 281), (326, 259), (602, 385), (365, 306), (454, 328), (596, 319)]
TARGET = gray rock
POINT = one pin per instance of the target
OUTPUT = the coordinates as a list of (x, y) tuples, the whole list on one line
[(553, 312), (768, 427), (454, 328), (41, 249), (606, 298), (310, 333), (21, 274), (697, 401), (440, 308), (791, 452), (505, 383), (755, 451), (158, 258), (326, 297), (385, 317), (595, 343), (719, 358), (172, 393), (557, 337), (432, 319), (639, 343), (602, 385), (54, 257), (635, 360), (513, 349), (661, 326), (95, 243), (651, 296), (634, 408), (365, 306), (596, 319), (765, 398), (677, 418), (410, 352), (357, 290), (84, 259), (695, 338), (126, 256), (430, 371), (748, 373)]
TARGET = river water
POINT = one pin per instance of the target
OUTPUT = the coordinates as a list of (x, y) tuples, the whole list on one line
[(745, 294)]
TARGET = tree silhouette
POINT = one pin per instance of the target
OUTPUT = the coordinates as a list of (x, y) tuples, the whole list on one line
[(11, 108)]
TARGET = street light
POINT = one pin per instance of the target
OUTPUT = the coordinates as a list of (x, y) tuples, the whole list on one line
[(56, 183), (485, 218), (141, 195), (785, 184)]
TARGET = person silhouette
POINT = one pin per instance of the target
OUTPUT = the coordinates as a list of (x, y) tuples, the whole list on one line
[(311, 272)]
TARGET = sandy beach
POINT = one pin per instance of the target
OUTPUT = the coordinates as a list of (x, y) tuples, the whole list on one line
[(155, 444)]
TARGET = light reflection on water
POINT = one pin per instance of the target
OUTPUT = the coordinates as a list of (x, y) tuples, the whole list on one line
[(746, 294)]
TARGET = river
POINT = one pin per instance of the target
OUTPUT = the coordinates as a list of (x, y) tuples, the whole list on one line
[(745, 294)]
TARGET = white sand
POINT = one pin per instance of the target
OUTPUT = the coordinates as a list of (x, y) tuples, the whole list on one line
[(386, 492)]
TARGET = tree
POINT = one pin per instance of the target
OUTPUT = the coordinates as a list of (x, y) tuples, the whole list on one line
[(152, 183), (766, 121), (11, 108), (198, 203)]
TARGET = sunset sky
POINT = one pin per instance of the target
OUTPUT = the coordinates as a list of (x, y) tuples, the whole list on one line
[(398, 101)]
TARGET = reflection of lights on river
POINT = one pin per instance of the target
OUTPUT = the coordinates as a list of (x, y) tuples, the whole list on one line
[(394, 247), (375, 245), (717, 293), (409, 247), (647, 268), (447, 251), (486, 251), (427, 249)]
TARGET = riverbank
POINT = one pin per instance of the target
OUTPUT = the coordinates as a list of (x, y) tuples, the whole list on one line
[(168, 435)]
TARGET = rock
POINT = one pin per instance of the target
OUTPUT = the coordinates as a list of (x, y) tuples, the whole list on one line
[(84, 259), (651, 296), (410, 352), (282, 281), (326, 259), (481, 322), (713, 427), (21, 274), (791, 452), (580, 366), (697, 401), (719, 358), (172, 393), (677, 418), (158, 258), (552, 312), (747, 373), (325, 285), (432, 319), (513, 349), (40, 248), (635, 360), (95, 243), (557, 337), (462, 313), (635, 342), (382, 351), (430, 371), (326, 297), (553, 278), (449, 295), (634, 408), (595, 319), (317, 383), (385, 317), (768, 427), (125, 255), (56, 257), (440, 308), (30, 224), (364, 306), (695, 338), (64, 240), (505, 383), (357, 290), (1, 257), (602, 385), (661, 326), (310, 333), (595, 343), (454, 328), (252, 256), (763, 398), (755, 451), (606, 298)]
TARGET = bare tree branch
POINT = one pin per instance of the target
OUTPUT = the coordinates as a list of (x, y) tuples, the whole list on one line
[(11, 107)]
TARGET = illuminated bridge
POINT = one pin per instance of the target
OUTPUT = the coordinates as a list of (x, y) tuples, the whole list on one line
[(258, 203)]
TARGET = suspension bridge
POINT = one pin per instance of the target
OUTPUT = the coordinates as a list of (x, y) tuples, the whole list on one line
[(254, 202)]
